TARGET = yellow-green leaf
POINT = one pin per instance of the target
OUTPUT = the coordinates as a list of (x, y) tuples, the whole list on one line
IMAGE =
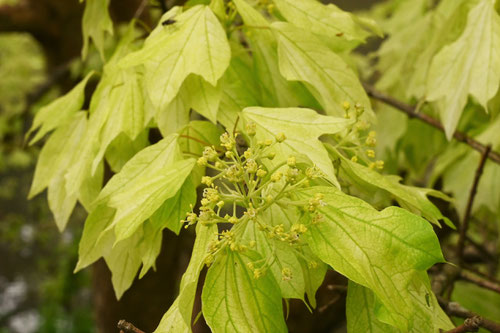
[(468, 66), (195, 44)]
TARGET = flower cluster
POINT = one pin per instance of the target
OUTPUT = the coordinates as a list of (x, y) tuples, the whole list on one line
[(246, 182), (358, 143)]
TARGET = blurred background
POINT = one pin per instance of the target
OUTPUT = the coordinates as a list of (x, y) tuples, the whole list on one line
[(39, 39)]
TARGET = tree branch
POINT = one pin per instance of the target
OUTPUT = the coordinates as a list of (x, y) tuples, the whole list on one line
[(491, 285), (456, 310), (127, 327), (411, 112), (465, 223), (482, 249), (470, 325)]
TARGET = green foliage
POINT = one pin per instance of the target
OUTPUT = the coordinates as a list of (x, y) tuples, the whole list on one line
[(468, 66), (58, 112), (196, 44), (448, 57), (22, 69), (346, 239), (284, 156), (96, 24)]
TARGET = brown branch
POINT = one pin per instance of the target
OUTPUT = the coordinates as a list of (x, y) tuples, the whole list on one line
[(483, 275), (140, 9), (456, 310), (325, 307), (236, 125), (445, 278), (127, 327), (481, 249), (470, 325), (411, 112), (465, 223), (472, 278)]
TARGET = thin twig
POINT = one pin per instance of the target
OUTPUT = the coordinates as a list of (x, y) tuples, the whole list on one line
[(483, 250), (465, 223), (411, 112), (445, 278), (236, 124), (483, 275), (456, 310), (470, 325), (141, 8), (324, 307), (195, 139), (127, 327), (467, 276)]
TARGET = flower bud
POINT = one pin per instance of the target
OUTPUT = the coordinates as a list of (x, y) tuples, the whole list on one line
[(276, 177), (261, 173), (251, 166), (251, 129), (379, 165), (280, 137), (286, 274), (210, 154), (206, 180), (346, 105), (202, 161)]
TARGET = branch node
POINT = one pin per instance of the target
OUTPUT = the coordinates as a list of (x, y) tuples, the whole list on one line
[(127, 327)]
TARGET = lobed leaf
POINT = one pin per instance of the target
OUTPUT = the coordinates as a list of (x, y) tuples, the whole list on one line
[(468, 66), (379, 250), (304, 280), (303, 57), (138, 199), (117, 106), (413, 198), (131, 197), (240, 87), (302, 128), (195, 44), (275, 90), (326, 20), (96, 23), (57, 155), (174, 209), (59, 111)]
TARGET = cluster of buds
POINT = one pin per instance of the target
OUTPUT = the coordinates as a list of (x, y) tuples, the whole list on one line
[(226, 238), (291, 236), (315, 202), (258, 272), (359, 141), (353, 113), (268, 5), (252, 180)]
